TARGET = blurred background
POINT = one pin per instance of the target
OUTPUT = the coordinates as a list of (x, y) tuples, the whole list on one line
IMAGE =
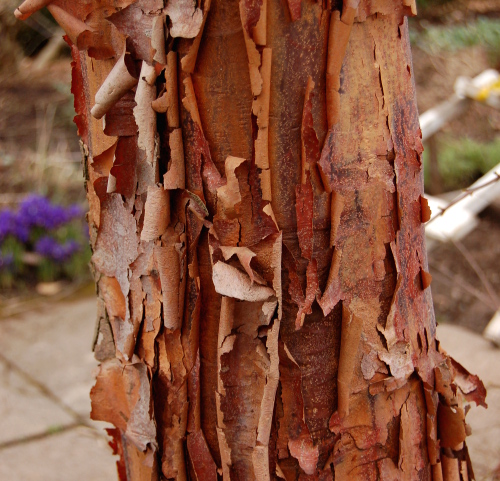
[(46, 305)]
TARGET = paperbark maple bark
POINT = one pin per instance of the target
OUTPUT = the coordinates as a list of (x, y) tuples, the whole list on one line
[(256, 218)]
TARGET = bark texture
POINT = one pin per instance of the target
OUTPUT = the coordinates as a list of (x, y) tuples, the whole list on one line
[(254, 175)]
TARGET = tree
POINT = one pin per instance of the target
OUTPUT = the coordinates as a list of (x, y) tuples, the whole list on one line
[(256, 218)]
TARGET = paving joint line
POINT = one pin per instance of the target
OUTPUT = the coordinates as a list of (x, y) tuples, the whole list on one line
[(45, 391), (38, 437)]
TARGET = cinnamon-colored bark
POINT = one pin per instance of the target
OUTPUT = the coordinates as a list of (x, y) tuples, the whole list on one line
[(254, 176)]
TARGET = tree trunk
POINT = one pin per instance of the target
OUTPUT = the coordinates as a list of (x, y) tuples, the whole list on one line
[(256, 217)]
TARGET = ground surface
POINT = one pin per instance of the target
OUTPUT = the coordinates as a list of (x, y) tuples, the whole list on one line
[(459, 295), (45, 377), (46, 368)]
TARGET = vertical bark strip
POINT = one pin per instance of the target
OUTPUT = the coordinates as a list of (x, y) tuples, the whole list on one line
[(254, 176)]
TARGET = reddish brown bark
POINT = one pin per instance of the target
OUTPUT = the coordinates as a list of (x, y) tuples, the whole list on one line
[(256, 212)]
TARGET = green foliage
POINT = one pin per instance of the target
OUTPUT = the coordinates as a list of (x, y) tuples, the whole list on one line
[(436, 39), (424, 4), (462, 161)]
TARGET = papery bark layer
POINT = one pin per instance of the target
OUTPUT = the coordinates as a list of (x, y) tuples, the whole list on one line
[(254, 176)]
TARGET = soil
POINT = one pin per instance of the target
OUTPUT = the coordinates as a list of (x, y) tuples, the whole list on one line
[(25, 103), (456, 285), (39, 147), (435, 76), (459, 295)]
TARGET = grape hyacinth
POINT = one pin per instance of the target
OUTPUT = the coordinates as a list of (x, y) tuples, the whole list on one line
[(10, 226), (35, 211), (48, 247), (42, 227), (38, 211)]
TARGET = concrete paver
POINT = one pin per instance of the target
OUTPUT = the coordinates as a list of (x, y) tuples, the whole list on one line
[(24, 411), (479, 357), (72, 455), (54, 345)]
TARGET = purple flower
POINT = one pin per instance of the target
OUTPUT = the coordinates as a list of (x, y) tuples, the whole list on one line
[(49, 247), (34, 210), (7, 222), (38, 211), (10, 225), (74, 211)]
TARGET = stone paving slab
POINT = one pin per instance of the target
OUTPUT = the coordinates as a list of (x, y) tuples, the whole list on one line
[(24, 410), (479, 357), (78, 454), (54, 346)]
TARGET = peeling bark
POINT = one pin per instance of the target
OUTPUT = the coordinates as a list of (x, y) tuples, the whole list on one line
[(254, 177)]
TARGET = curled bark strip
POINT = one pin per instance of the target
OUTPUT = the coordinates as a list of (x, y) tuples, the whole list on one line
[(352, 326), (293, 430), (118, 82), (411, 457), (113, 297), (122, 177), (260, 455), (29, 7), (203, 464), (304, 302), (169, 102), (426, 279), (295, 9), (243, 357), (78, 91), (79, 9), (188, 62), (245, 256), (310, 143), (189, 101), (158, 40), (127, 408), (254, 57), (333, 293), (186, 18), (471, 386), (230, 281), (175, 178), (113, 253), (122, 323), (259, 33), (169, 266), (251, 14), (145, 116), (136, 26), (72, 26), (340, 29), (141, 465), (426, 211), (260, 108), (156, 213), (172, 415), (229, 194), (152, 323)]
